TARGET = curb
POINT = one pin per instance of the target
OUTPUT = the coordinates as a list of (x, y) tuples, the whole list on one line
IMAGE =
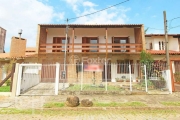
[(8, 94), (113, 108)]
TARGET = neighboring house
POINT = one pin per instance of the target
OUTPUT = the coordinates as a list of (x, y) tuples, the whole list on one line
[(155, 44), (2, 39), (117, 43), (18, 52)]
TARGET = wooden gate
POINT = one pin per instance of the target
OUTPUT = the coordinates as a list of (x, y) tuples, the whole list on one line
[(49, 70), (175, 75)]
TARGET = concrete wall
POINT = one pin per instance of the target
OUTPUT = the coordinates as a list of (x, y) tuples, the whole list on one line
[(173, 42), (18, 47)]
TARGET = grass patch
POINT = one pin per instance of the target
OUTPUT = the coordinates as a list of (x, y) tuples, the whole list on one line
[(15, 111), (5, 89), (54, 105), (98, 104), (171, 103), (59, 112), (115, 104), (93, 88)]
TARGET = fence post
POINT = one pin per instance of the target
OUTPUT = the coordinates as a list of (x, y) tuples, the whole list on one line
[(130, 77), (106, 73), (169, 80), (145, 77), (57, 78), (19, 80), (81, 76)]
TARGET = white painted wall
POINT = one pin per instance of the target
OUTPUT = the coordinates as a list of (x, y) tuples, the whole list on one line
[(91, 32), (173, 42)]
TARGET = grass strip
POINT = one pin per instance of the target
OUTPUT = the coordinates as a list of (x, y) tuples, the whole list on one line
[(5, 89), (177, 103)]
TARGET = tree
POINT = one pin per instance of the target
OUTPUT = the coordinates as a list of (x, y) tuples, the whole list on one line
[(145, 58)]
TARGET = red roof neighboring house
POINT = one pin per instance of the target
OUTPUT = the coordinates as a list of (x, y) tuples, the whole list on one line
[(162, 52), (30, 52)]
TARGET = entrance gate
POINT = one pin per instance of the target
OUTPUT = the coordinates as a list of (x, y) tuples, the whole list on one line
[(31, 82), (176, 75)]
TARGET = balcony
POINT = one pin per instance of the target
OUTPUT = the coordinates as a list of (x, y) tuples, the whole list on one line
[(113, 48)]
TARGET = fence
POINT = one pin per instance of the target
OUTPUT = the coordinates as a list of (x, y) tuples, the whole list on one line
[(119, 77), (93, 78)]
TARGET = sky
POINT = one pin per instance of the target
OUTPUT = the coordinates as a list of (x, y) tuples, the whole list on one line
[(27, 14)]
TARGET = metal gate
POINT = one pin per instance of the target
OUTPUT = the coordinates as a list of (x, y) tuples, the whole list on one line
[(31, 82)]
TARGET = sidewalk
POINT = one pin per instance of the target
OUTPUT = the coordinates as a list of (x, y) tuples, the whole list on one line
[(38, 101), (153, 111)]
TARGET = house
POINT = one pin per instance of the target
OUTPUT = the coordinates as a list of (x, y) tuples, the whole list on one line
[(155, 44), (2, 39), (16, 54), (91, 43)]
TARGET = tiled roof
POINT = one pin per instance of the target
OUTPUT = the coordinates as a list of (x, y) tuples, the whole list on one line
[(149, 35), (161, 52), (89, 25), (31, 49), (7, 55)]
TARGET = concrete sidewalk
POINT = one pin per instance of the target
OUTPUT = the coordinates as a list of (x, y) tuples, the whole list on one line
[(38, 101)]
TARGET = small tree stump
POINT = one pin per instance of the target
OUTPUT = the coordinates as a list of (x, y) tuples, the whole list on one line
[(86, 103), (72, 101)]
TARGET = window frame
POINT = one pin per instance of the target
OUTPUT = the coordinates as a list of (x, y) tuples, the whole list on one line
[(123, 66), (120, 38), (58, 40), (87, 40)]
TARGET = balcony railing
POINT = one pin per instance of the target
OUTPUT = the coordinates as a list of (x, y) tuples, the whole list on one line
[(90, 48)]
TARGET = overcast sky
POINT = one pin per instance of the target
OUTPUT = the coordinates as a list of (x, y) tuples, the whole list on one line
[(26, 14)]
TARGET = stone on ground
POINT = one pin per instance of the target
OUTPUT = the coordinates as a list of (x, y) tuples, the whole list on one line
[(86, 103), (72, 101)]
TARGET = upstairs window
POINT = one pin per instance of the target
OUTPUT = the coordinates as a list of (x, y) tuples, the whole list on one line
[(91, 41), (161, 45), (120, 40), (59, 40), (150, 46)]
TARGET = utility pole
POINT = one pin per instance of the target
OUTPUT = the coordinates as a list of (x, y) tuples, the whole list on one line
[(166, 40), (65, 52)]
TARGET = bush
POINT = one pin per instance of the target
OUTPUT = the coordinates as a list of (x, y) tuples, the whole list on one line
[(8, 82)]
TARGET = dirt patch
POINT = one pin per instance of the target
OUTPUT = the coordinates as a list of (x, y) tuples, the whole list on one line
[(3, 97)]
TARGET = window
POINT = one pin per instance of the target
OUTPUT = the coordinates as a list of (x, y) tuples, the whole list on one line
[(59, 40), (90, 40), (120, 40), (93, 42), (179, 43), (150, 46), (161, 45), (123, 66)]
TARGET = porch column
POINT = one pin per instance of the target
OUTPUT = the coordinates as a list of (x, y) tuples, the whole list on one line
[(143, 37), (106, 44), (73, 45)]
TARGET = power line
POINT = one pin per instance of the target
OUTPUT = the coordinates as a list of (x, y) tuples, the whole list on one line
[(174, 18), (153, 28), (99, 10), (170, 21), (174, 27)]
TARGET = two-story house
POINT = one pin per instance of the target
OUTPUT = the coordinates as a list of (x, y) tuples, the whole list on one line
[(155, 44), (92, 43)]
